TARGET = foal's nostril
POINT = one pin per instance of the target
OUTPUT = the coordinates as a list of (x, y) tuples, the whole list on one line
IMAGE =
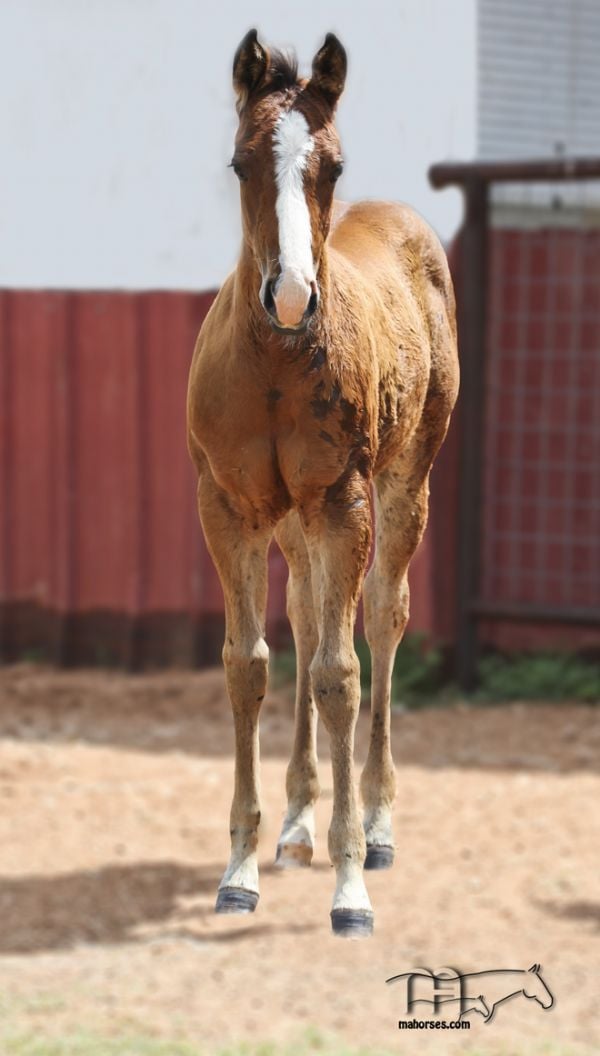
[(268, 301), (312, 304)]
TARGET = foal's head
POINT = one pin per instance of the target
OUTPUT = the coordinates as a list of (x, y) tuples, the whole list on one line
[(287, 158)]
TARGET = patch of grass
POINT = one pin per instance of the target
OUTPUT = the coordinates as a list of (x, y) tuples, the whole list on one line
[(419, 677), (34, 656), (418, 670), (538, 676), (282, 668), (95, 1045), (540, 1048), (311, 1043)]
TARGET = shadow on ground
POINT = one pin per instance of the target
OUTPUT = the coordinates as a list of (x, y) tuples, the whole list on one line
[(578, 912), (141, 902)]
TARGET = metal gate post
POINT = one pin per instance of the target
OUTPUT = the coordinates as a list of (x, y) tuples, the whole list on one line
[(471, 344), (472, 349)]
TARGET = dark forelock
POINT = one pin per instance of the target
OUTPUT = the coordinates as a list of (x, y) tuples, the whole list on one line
[(283, 70)]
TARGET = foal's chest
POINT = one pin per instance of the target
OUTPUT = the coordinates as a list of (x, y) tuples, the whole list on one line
[(281, 449)]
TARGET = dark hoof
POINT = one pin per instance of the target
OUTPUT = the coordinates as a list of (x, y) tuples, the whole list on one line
[(236, 900), (352, 923), (379, 857)]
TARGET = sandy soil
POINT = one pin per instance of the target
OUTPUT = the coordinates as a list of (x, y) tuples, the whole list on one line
[(115, 796)]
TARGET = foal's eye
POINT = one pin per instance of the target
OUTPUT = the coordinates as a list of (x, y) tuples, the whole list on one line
[(336, 172), (239, 171)]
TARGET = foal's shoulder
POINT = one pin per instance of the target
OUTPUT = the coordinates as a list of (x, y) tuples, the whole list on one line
[(395, 227), (392, 222), (212, 341), (215, 324), (221, 306)]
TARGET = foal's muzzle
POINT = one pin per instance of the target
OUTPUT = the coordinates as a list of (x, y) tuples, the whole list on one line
[(268, 302)]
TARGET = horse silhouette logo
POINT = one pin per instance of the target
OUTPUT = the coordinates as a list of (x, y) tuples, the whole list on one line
[(480, 992)]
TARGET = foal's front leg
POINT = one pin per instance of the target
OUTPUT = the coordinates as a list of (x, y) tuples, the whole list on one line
[(338, 539), (296, 842), (239, 551), (402, 494)]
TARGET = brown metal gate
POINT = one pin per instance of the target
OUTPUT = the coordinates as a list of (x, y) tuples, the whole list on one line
[(529, 330)]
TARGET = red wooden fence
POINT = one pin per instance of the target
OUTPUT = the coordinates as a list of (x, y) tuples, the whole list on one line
[(101, 553), (102, 556)]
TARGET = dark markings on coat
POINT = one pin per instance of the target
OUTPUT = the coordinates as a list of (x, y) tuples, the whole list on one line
[(322, 404), (317, 360), (355, 426)]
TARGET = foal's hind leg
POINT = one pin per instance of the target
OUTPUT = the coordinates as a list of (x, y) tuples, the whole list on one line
[(402, 492), (295, 846), (239, 551)]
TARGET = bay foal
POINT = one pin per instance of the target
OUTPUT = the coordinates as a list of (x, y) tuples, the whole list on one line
[(328, 360)]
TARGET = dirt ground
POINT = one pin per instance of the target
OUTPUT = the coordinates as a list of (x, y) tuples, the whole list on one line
[(115, 794)]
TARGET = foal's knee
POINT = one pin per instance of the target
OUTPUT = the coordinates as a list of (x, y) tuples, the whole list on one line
[(386, 610), (336, 686), (246, 669)]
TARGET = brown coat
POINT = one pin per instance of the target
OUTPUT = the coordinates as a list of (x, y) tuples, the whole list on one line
[(291, 417)]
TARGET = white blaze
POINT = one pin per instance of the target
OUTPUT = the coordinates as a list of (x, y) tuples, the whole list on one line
[(292, 145)]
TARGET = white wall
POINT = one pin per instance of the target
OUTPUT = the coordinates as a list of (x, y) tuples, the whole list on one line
[(117, 123)]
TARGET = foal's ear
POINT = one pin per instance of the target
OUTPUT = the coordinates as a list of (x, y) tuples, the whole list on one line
[(249, 67), (329, 69)]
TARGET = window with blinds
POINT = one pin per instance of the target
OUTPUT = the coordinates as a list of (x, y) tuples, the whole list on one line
[(539, 91)]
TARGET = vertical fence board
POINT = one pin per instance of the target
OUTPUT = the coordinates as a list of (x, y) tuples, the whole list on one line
[(106, 477)]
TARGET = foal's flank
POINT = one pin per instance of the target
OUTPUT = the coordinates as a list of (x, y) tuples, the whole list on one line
[(327, 363)]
